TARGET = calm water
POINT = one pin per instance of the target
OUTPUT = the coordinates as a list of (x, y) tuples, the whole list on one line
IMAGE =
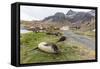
[(23, 30)]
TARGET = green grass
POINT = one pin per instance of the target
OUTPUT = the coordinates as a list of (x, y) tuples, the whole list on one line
[(70, 50)]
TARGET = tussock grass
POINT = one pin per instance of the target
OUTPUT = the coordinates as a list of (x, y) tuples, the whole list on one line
[(70, 50)]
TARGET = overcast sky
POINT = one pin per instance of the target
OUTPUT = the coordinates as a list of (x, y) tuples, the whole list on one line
[(38, 13)]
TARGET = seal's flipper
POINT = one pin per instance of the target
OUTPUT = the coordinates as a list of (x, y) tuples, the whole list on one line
[(33, 49)]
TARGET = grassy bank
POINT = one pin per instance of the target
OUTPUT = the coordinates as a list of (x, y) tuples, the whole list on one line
[(70, 50)]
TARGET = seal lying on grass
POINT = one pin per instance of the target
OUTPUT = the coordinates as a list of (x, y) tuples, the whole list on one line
[(48, 47)]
